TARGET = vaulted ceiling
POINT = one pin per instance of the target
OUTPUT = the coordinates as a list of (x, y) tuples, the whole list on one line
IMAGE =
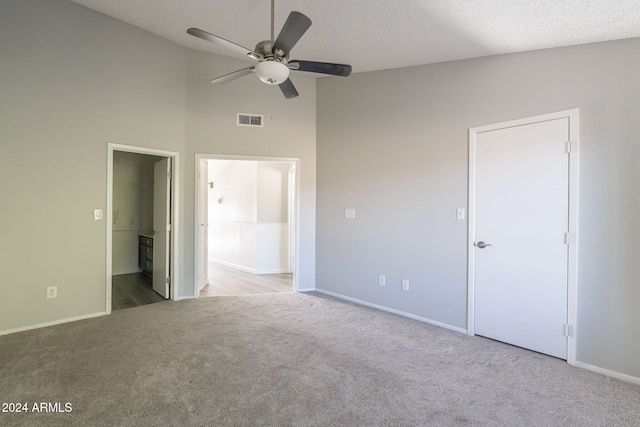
[(382, 34)]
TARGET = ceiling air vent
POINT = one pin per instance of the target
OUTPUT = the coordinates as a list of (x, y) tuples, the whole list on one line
[(250, 120)]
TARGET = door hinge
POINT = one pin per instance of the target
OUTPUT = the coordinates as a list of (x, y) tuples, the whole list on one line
[(169, 176), (168, 227), (567, 239), (567, 330), (571, 146), (168, 280)]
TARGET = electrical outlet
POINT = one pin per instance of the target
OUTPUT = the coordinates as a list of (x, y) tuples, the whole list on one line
[(350, 213), (405, 285), (381, 280), (52, 292)]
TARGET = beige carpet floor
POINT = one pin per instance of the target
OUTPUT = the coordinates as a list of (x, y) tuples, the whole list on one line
[(292, 359)]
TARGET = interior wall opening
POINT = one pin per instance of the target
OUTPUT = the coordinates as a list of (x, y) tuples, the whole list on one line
[(140, 237), (246, 226)]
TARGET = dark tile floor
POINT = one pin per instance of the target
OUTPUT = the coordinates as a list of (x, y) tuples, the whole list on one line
[(132, 290)]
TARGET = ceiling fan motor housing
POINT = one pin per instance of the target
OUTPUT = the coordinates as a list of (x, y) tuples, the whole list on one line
[(266, 51)]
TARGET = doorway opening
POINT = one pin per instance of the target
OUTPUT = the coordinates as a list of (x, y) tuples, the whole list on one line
[(141, 226), (246, 225)]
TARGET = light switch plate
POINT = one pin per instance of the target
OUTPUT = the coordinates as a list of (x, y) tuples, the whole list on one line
[(460, 214), (97, 214)]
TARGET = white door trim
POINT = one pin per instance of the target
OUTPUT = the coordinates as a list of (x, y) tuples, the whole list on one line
[(295, 161), (291, 214), (572, 295), (175, 210), (202, 224)]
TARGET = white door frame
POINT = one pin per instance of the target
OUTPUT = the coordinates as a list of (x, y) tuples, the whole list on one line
[(175, 217), (291, 214), (202, 224), (572, 146), (295, 161)]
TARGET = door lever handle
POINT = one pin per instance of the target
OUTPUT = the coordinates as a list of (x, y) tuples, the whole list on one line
[(482, 244)]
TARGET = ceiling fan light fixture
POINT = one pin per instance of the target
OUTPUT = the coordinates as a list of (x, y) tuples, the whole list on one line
[(272, 72)]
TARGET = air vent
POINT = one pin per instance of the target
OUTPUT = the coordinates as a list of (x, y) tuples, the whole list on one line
[(250, 120)]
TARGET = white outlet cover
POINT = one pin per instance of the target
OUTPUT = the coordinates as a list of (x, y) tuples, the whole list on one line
[(350, 213), (98, 215)]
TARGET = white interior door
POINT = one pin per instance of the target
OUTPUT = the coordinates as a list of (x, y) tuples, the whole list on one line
[(203, 225), (522, 215), (161, 226)]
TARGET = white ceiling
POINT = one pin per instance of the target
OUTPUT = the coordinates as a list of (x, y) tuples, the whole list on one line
[(381, 34)]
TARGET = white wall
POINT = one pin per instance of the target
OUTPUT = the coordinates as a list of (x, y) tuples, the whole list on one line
[(393, 145), (273, 229), (233, 212), (233, 197), (248, 226), (272, 191)]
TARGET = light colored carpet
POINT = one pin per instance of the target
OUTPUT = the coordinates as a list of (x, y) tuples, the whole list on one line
[(293, 360)]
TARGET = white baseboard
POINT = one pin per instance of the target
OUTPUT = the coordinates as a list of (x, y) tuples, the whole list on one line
[(306, 290), (603, 371), (607, 372), (394, 311), (272, 271), (53, 323), (232, 265), (249, 269)]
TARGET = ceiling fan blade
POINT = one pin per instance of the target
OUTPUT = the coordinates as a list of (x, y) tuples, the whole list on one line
[(221, 42), (295, 26), (288, 89), (321, 67), (233, 76)]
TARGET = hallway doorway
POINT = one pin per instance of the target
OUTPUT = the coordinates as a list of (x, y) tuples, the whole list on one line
[(139, 248), (246, 225)]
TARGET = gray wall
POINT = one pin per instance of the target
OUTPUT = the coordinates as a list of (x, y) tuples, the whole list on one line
[(289, 132), (74, 80), (393, 145), (133, 191)]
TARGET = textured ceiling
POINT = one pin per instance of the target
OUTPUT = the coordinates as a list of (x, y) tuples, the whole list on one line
[(381, 34)]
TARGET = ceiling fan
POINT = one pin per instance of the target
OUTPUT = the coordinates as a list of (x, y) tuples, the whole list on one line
[(273, 55)]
